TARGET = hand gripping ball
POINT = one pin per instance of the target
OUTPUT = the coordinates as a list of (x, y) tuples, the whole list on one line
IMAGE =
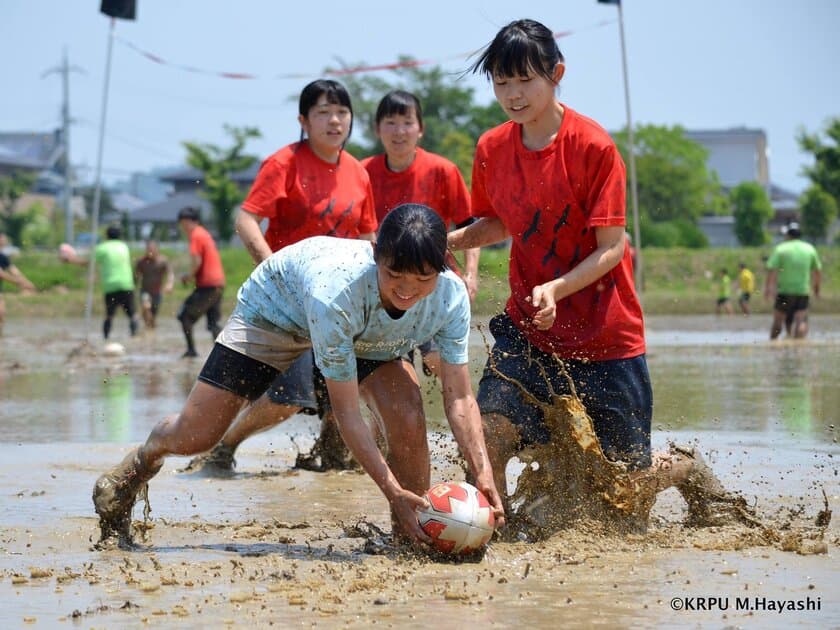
[(459, 518)]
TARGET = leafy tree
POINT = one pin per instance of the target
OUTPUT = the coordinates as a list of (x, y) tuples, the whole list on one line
[(825, 172), (817, 209), (12, 188), (751, 209), (672, 178), (452, 120), (218, 164)]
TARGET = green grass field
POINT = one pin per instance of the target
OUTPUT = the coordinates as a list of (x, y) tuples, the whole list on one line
[(677, 281)]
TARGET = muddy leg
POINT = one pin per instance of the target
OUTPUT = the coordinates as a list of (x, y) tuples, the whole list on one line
[(206, 415)]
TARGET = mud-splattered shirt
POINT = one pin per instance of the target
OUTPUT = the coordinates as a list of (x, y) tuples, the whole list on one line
[(431, 179), (325, 289), (301, 195), (551, 201)]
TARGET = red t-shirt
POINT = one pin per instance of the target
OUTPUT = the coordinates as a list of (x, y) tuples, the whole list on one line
[(550, 201), (210, 272), (431, 180), (303, 196)]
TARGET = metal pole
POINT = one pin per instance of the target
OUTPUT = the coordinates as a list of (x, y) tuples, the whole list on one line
[(97, 195), (631, 151), (68, 185), (64, 69)]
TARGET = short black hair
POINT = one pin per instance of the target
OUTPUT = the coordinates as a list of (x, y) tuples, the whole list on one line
[(412, 239), (113, 231), (519, 48), (190, 213), (335, 93), (399, 103)]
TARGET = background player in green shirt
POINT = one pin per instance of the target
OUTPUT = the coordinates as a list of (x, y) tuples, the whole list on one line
[(793, 269)]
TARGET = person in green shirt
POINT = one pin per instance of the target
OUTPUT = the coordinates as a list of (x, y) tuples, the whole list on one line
[(793, 270), (116, 276), (724, 304)]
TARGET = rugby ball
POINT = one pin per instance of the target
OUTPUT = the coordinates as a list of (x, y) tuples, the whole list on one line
[(459, 518)]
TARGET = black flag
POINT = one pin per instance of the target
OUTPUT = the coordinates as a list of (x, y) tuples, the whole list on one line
[(122, 9)]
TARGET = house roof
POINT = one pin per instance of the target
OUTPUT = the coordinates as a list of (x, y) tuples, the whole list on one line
[(166, 211), (194, 175), (35, 150), (710, 135)]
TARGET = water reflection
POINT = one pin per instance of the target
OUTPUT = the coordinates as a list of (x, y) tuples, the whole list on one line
[(702, 382)]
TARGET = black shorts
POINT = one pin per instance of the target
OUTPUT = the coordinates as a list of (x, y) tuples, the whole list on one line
[(119, 298), (246, 377), (617, 394), (789, 304), (202, 301)]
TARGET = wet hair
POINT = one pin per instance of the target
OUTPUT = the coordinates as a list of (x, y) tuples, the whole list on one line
[(412, 239), (113, 231), (520, 48), (399, 103), (336, 95)]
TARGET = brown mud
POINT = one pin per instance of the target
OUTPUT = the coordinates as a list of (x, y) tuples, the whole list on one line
[(273, 546)]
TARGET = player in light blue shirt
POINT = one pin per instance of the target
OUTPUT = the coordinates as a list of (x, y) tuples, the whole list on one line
[(360, 308)]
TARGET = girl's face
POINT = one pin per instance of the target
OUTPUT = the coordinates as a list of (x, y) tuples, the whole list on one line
[(528, 98), (327, 125), (401, 290), (399, 134)]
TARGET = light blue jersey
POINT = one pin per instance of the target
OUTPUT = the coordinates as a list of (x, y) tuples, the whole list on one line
[(325, 289)]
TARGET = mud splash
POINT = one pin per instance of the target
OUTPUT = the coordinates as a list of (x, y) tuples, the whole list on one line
[(569, 484)]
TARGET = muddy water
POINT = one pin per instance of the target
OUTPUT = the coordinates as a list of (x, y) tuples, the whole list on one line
[(269, 544)]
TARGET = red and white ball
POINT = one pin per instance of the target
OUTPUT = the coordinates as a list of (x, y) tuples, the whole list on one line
[(459, 518)]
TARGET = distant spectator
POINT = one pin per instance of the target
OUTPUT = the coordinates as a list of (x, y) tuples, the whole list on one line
[(724, 299), (746, 283), (116, 275), (209, 278), (155, 276), (793, 269)]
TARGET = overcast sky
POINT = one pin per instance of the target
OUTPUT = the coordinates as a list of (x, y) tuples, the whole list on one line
[(715, 64)]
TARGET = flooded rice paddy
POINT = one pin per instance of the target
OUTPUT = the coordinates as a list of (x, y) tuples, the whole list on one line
[(271, 545)]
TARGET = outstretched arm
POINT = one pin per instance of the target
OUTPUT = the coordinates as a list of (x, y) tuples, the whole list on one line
[(344, 398), (462, 412), (15, 276), (485, 231)]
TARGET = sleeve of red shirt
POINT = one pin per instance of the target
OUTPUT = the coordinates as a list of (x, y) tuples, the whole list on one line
[(607, 191), (367, 219), (268, 188)]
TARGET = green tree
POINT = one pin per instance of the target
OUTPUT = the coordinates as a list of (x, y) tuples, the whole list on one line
[(12, 188), (751, 209), (825, 171), (817, 209), (672, 178), (452, 119), (218, 164)]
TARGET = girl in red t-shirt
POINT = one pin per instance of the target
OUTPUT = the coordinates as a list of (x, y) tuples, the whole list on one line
[(312, 187), (406, 173), (553, 181)]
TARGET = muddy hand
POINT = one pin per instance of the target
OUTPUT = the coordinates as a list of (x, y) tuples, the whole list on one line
[(543, 300), (489, 491), (405, 507)]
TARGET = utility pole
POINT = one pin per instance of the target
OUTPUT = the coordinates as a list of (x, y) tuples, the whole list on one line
[(631, 152), (64, 69)]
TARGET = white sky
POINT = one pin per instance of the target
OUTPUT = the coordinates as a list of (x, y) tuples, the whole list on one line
[(707, 64)]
